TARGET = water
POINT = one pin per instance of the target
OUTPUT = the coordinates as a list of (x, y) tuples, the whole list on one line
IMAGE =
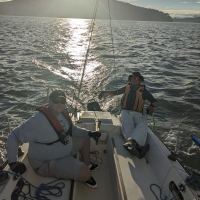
[(41, 53)]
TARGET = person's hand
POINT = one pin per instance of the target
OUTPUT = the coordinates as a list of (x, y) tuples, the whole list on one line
[(150, 109), (17, 167), (95, 135)]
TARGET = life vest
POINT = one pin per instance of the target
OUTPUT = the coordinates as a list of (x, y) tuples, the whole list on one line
[(125, 96), (62, 135), (138, 103)]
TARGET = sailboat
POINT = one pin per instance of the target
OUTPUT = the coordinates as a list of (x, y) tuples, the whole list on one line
[(120, 176)]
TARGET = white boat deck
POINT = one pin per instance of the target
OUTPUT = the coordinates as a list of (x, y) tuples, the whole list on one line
[(106, 186), (136, 174), (120, 175), (133, 176)]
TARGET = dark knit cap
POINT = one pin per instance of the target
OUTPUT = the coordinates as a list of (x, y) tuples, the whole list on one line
[(57, 96), (138, 75)]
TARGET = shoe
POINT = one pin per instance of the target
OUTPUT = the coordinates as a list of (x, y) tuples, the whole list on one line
[(131, 145), (91, 183), (143, 150), (127, 144), (131, 149), (93, 166), (20, 152), (172, 156)]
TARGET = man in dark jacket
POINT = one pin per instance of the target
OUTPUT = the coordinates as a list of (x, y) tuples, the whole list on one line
[(134, 125)]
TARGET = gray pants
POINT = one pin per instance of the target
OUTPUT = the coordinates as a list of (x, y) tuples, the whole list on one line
[(67, 167), (134, 126)]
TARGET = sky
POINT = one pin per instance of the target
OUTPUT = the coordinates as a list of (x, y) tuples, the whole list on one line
[(176, 8)]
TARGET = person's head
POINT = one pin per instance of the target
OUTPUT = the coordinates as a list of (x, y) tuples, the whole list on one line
[(137, 78), (57, 100)]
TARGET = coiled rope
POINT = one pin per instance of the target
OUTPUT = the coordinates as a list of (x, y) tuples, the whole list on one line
[(42, 192)]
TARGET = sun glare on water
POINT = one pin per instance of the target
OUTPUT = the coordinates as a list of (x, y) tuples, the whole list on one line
[(78, 43), (72, 42), (76, 48)]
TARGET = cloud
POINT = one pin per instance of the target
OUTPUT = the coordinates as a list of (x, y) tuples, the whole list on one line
[(189, 1), (4, 0), (185, 2), (182, 12)]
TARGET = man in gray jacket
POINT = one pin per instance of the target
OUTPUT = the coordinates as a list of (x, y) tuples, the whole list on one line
[(53, 139)]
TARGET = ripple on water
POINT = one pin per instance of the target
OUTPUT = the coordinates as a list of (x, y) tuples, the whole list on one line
[(167, 54)]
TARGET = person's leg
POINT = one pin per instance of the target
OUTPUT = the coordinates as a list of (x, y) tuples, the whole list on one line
[(66, 168), (71, 168), (139, 133), (84, 174), (81, 144), (127, 123)]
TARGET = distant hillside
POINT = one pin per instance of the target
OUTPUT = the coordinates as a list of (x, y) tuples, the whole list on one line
[(80, 9), (189, 19), (128, 11)]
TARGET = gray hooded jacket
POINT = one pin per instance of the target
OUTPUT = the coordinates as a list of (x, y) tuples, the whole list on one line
[(36, 130)]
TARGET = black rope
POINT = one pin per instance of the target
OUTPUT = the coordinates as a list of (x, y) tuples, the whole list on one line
[(42, 192), (48, 189), (160, 192)]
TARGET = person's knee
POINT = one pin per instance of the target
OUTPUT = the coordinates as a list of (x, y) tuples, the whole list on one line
[(87, 141), (84, 174), (84, 141)]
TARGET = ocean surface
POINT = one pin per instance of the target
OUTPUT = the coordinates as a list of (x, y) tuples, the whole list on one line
[(41, 54)]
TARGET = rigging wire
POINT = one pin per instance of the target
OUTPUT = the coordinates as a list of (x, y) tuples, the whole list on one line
[(111, 33), (87, 53), (88, 49), (108, 11)]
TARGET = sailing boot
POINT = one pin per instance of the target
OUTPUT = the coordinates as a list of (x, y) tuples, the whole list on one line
[(133, 147)]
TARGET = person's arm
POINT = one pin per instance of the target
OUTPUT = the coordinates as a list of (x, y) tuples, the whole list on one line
[(78, 131), (152, 101), (112, 92), (21, 134)]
